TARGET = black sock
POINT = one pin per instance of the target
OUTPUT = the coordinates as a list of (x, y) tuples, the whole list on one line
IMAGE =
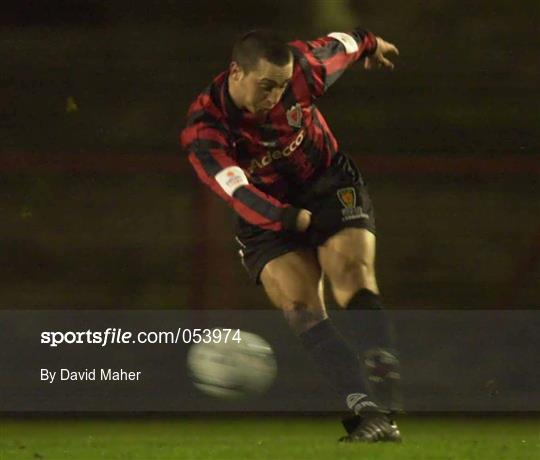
[(375, 336), (339, 364), (372, 325)]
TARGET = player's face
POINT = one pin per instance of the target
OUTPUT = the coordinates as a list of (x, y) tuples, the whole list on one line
[(263, 87)]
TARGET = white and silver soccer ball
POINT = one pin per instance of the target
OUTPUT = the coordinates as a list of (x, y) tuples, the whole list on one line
[(233, 369)]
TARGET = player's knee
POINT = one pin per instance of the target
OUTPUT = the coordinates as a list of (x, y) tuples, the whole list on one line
[(352, 268), (301, 316)]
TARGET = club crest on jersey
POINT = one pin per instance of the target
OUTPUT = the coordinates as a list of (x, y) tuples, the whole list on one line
[(347, 197), (294, 116)]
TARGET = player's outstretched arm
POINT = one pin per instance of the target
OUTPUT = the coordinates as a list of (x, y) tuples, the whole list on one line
[(378, 58), (324, 59)]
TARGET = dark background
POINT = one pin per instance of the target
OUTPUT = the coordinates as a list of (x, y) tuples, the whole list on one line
[(101, 209)]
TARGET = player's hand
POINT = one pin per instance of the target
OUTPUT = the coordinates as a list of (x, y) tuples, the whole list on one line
[(378, 59), (303, 221)]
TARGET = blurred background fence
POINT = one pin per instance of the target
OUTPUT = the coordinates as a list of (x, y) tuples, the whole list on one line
[(101, 208)]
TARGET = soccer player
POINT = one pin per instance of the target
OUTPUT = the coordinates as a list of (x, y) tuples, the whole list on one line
[(256, 138)]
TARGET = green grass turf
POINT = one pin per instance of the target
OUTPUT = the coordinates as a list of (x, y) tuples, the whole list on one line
[(267, 437)]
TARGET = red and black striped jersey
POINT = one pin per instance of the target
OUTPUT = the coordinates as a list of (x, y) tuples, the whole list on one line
[(252, 163)]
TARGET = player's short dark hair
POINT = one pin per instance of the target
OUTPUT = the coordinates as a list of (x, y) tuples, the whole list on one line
[(257, 44)]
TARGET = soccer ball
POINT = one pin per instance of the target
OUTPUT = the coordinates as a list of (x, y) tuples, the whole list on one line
[(240, 367)]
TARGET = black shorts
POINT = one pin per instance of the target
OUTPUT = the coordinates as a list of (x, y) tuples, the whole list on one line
[(338, 199)]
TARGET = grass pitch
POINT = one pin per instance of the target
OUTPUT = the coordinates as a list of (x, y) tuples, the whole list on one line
[(266, 437)]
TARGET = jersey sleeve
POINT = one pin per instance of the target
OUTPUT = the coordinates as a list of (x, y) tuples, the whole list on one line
[(212, 158), (325, 59)]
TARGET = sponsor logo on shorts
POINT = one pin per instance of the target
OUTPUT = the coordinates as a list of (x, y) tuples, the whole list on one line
[(272, 155), (347, 197)]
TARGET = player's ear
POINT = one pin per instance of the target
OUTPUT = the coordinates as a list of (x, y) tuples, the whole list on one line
[(236, 72)]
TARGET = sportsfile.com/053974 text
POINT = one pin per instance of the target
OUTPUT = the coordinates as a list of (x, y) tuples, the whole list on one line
[(118, 336)]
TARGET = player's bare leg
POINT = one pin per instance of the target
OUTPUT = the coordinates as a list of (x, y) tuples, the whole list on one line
[(291, 281), (348, 259)]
